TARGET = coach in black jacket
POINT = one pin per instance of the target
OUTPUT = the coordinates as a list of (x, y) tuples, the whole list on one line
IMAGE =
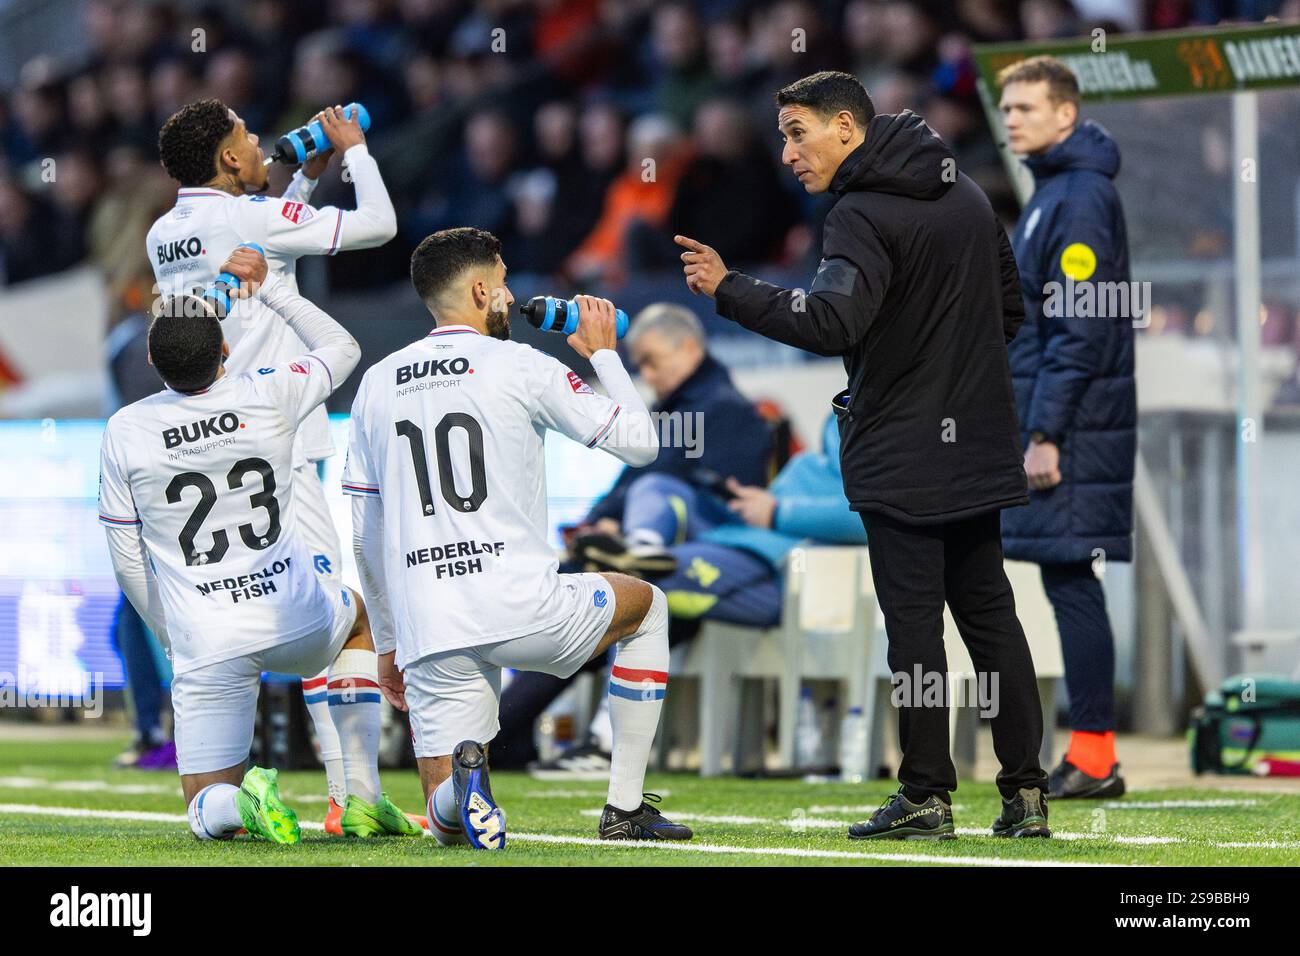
[(918, 292)]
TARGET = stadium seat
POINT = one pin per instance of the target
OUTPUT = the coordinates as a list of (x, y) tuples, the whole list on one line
[(829, 632), (820, 637), (1039, 621)]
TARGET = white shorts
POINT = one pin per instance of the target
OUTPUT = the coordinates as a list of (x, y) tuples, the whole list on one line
[(316, 525), (215, 706), (455, 695)]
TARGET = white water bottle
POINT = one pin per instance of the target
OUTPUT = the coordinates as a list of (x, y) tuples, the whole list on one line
[(853, 746), (807, 733)]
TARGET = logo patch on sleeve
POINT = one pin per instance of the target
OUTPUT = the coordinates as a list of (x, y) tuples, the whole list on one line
[(1078, 261), (297, 212), (578, 385), (299, 368)]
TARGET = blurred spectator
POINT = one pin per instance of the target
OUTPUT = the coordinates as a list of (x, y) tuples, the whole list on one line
[(231, 76), (656, 156), (1048, 19), (475, 191), (126, 92), (684, 78), (36, 238), (668, 347), (570, 75), (729, 193)]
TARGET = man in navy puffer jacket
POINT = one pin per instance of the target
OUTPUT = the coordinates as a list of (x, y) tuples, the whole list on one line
[(1072, 367)]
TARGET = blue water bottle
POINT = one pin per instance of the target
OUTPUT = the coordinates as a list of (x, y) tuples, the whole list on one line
[(219, 292), (297, 146), (550, 314)]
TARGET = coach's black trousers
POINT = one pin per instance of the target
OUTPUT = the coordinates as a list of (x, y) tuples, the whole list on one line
[(916, 568)]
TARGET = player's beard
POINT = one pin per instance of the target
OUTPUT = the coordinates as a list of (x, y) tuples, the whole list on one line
[(498, 325)]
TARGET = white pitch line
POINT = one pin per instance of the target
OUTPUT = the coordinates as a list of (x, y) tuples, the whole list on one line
[(794, 823), (719, 849), (85, 786), (799, 853), (1176, 804), (1063, 835), (143, 816)]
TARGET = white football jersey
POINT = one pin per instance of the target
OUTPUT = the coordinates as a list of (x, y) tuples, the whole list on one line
[(448, 432), (207, 477), (187, 246)]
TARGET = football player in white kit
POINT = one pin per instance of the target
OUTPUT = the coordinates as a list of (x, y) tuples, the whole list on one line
[(447, 468), (221, 203), (204, 525)]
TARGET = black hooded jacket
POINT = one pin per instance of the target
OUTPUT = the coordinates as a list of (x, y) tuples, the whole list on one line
[(918, 292)]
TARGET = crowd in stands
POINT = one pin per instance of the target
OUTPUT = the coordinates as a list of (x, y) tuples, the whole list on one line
[(583, 132)]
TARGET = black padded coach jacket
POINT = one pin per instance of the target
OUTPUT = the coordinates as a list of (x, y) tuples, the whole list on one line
[(918, 292)]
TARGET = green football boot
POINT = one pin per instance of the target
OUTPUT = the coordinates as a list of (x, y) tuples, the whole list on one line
[(382, 818), (265, 815)]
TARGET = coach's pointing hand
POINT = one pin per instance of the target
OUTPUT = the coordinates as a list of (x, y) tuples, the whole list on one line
[(703, 267), (597, 326), (249, 267)]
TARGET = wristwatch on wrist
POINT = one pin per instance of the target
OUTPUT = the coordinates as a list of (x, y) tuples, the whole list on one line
[(1038, 437)]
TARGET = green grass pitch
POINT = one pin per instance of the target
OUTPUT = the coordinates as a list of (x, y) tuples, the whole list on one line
[(137, 818)]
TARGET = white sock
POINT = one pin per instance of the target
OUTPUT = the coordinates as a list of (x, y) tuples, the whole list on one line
[(444, 816), (316, 693), (214, 814), (601, 730), (637, 684), (354, 708)]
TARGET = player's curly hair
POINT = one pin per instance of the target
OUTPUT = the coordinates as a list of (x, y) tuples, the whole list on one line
[(185, 342), (443, 256), (189, 140)]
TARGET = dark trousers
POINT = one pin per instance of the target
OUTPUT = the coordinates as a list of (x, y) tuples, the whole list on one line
[(1087, 643), (916, 568)]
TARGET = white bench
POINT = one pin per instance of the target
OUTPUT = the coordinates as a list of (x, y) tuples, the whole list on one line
[(832, 632)]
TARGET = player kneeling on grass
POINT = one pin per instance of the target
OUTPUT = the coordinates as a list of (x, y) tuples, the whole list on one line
[(448, 471), (197, 494)]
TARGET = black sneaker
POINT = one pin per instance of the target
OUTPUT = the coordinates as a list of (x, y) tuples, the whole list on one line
[(585, 762), (483, 820), (1068, 782), (900, 819), (597, 551), (1024, 815), (643, 823)]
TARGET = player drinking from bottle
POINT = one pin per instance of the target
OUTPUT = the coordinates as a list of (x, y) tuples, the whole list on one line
[(204, 526), (207, 149), (447, 468)]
